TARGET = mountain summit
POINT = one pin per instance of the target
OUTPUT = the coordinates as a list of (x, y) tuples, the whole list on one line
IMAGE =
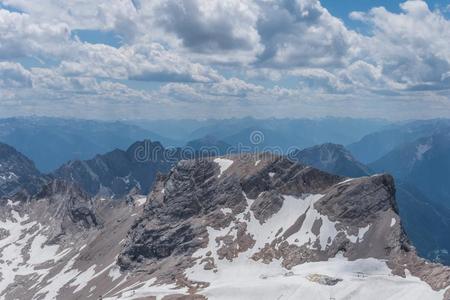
[(254, 226), (17, 172), (118, 172)]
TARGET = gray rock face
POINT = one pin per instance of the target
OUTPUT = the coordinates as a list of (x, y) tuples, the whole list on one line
[(118, 172), (17, 172), (199, 194), (174, 224), (189, 199), (359, 201), (331, 158), (68, 203), (171, 224), (266, 205)]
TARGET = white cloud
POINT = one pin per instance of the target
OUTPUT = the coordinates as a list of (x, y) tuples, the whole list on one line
[(144, 62), (21, 36), (201, 53), (13, 75), (78, 14), (301, 33), (410, 48), (211, 26)]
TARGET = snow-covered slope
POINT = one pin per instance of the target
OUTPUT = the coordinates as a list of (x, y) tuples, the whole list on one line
[(248, 227)]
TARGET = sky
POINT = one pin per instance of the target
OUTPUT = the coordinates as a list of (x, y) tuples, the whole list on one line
[(160, 59)]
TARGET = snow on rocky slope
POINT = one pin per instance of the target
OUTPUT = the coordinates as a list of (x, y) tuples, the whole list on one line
[(247, 227)]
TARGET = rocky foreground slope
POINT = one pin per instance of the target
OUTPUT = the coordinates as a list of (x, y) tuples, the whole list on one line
[(247, 227)]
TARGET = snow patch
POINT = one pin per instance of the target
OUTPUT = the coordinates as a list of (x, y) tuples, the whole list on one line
[(393, 222), (346, 180), (224, 164), (114, 273), (40, 253), (226, 211), (10, 203), (141, 201), (421, 150), (140, 290)]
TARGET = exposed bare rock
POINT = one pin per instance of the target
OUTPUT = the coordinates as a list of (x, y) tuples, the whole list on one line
[(267, 204), (69, 203), (323, 279), (358, 201)]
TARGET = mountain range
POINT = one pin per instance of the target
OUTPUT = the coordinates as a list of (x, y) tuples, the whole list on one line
[(255, 226), (50, 142), (178, 222)]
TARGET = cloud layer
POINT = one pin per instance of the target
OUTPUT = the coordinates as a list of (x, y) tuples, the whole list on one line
[(183, 58)]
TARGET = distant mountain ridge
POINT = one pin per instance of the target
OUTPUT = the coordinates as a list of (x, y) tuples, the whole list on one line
[(289, 132), (332, 158), (50, 142), (17, 172), (286, 134), (118, 172), (424, 163), (378, 143), (209, 145)]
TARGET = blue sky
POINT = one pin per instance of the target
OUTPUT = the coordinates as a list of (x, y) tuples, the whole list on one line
[(114, 59), (343, 8)]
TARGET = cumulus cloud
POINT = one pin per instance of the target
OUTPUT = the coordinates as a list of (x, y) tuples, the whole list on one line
[(144, 62), (21, 36), (211, 26), (410, 48), (208, 53), (301, 33), (77, 14), (13, 75)]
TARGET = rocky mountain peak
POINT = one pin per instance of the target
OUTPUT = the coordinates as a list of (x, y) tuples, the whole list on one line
[(116, 173), (17, 172), (68, 203), (238, 197), (145, 150)]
